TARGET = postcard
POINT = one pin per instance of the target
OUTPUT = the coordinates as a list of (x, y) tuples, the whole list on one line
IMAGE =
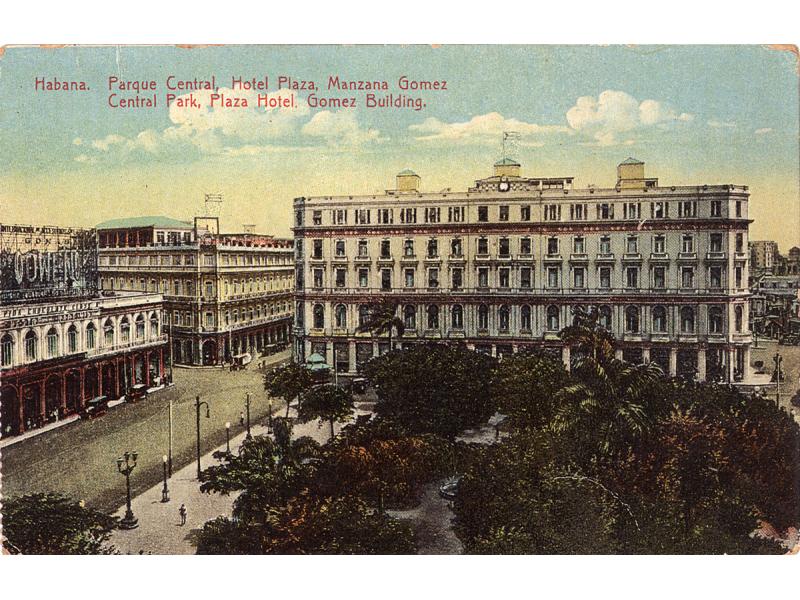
[(476, 299)]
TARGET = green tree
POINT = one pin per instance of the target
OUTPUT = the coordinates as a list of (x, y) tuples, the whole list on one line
[(288, 382), (328, 403), (524, 387), (588, 337), (433, 388), (48, 523), (382, 318)]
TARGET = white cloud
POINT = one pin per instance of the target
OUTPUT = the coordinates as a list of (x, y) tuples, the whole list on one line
[(613, 113), (238, 131), (483, 129), (721, 124), (339, 128), (77, 141), (763, 130)]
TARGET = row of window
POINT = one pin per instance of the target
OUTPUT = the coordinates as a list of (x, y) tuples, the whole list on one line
[(551, 212), (208, 260), (186, 318), (715, 278), (632, 317), (178, 287), (632, 246), (31, 340)]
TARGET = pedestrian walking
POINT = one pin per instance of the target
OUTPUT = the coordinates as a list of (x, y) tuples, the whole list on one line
[(182, 513), (241, 419)]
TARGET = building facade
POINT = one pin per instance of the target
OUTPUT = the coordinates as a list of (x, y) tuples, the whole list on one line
[(62, 342), (503, 265), (763, 254), (225, 294)]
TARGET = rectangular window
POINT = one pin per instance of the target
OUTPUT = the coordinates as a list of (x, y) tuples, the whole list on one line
[(483, 214), (362, 216), (363, 249), (317, 278), (386, 279), (525, 246), (317, 217), (505, 280), (716, 208), (316, 251), (552, 212), (385, 216), (605, 210), (483, 246), (659, 244), (687, 208), (659, 210), (738, 278), (687, 277), (687, 244), (605, 278), (579, 277), (432, 214), (659, 277), (738, 209), (631, 210), (579, 245), (339, 216), (525, 212), (340, 248), (386, 249), (739, 243), (605, 245), (433, 248), (577, 212), (409, 278), (504, 249), (363, 278), (504, 213), (552, 246), (457, 278), (340, 278), (455, 247), (433, 278), (525, 277), (483, 277), (632, 277), (455, 214), (408, 215), (552, 277), (716, 242), (408, 248), (632, 245), (715, 277)]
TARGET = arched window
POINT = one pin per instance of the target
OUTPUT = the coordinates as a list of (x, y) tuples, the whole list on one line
[(31, 345), (525, 318), (341, 316), (503, 318), (457, 316), (687, 319), (410, 316), (125, 330), (363, 315), (108, 333), (433, 316), (604, 317), (91, 336), (6, 350), (72, 339), (140, 327), (552, 318), (659, 319), (154, 329), (483, 317), (52, 343), (738, 315), (632, 319), (319, 316)]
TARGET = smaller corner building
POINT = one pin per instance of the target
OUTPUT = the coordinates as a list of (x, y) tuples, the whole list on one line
[(63, 341), (225, 294)]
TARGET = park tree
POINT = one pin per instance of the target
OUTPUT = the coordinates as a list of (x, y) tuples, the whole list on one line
[(382, 318), (433, 388), (524, 386), (588, 337), (48, 523), (326, 403), (288, 382)]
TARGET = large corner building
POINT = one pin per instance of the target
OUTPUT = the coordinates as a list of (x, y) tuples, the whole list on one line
[(502, 266)]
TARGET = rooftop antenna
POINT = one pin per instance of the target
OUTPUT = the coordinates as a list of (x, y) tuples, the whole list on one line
[(213, 205), (510, 141)]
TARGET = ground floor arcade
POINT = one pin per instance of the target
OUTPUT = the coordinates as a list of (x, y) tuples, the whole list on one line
[(216, 348), (34, 395)]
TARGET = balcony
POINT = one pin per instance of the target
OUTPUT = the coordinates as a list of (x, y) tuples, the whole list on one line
[(687, 256), (714, 256), (605, 257), (659, 257), (580, 257)]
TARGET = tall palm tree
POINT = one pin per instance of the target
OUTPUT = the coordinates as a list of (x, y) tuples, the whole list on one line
[(588, 336), (383, 319)]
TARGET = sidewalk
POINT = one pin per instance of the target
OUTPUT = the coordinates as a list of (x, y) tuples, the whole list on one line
[(159, 530)]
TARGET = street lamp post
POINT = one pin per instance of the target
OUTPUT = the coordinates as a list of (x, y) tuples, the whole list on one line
[(228, 436), (165, 490), (169, 453), (247, 407), (125, 465), (777, 359), (197, 405), (269, 418)]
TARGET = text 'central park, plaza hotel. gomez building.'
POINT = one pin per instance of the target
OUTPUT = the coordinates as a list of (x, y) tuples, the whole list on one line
[(501, 267)]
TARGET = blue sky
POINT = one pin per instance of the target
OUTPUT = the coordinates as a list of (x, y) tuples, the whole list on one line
[(694, 114)]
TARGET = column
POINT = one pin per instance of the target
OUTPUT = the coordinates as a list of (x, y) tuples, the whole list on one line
[(64, 393), (147, 358), (565, 356), (21, 407), (673, 362), (329, 355), (99, 379), (701, 364), (746, 373), (352, 356), (116, 378), (731, 364), (618, 354), (42, 402), (133, 371), (82, 397), (646, 355)]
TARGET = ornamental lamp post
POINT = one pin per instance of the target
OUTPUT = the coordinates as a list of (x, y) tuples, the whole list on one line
[(778, 360), (269, 421), (228, 436), (247, 407), (165, 490), (197, 405), (125, 465)]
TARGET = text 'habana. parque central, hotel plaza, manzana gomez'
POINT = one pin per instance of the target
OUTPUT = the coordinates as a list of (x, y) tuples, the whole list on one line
[(94, 315)]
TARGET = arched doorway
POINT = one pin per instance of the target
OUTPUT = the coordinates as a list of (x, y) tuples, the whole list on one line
[(209, 352), (90, 383), (52, 398), (73, 391), (9, 403), (188, 355), (109, 381), (31, 401), (138, 368)]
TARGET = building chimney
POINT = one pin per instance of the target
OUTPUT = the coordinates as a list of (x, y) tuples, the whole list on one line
[(630, 174)]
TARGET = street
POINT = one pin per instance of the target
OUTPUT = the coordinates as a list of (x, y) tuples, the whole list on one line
[(79, 459), (791, 368)]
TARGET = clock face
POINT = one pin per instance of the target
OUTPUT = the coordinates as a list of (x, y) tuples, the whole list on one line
[(504, 185)]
